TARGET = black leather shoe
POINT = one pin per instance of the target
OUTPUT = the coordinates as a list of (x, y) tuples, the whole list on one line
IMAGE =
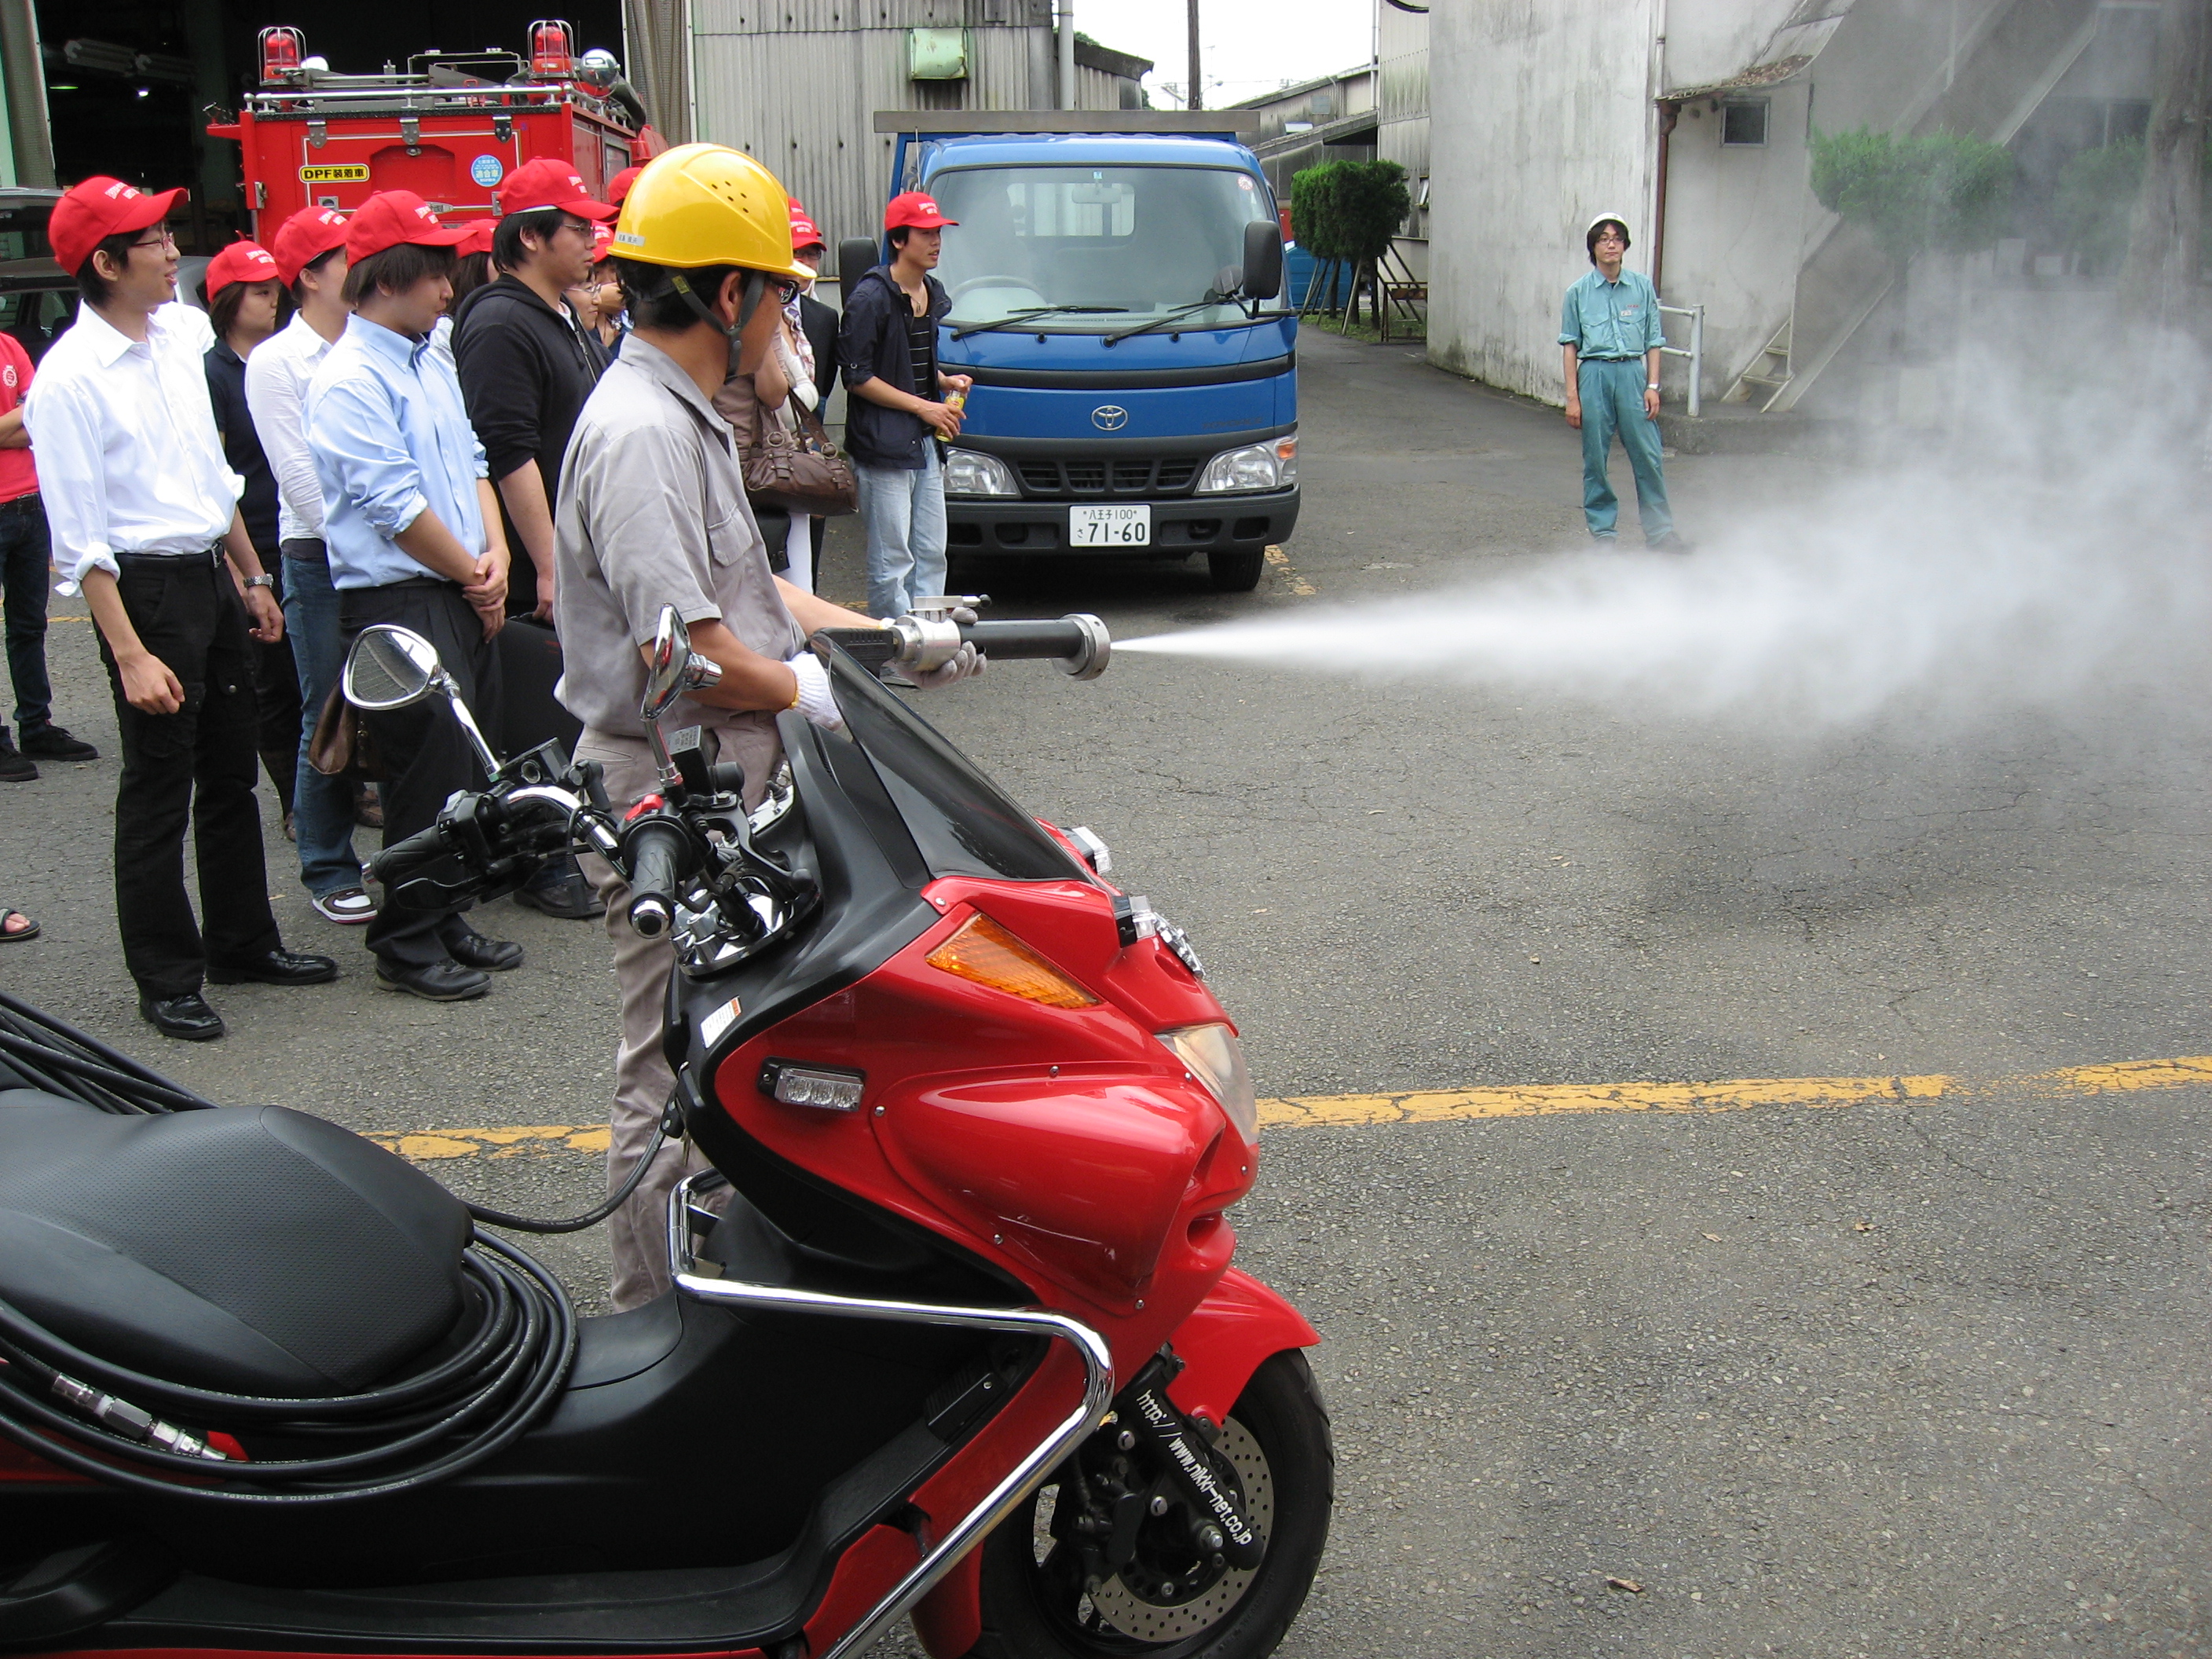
[(55, 744), (559, 890), (275, 968), (493, 955), (441, 982), (15, 765), (186, 1017)]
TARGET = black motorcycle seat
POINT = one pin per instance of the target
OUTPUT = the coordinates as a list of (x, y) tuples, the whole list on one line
[(248, 1249)]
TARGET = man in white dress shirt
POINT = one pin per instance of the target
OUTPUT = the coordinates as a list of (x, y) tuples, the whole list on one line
[(309, 249), (143, 512)]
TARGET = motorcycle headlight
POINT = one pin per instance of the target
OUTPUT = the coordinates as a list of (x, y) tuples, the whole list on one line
[(1270, 465), (1212, 1054), (969, 472)]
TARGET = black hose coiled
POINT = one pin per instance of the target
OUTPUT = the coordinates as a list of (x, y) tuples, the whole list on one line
[(495, 1376), (511, 1362)]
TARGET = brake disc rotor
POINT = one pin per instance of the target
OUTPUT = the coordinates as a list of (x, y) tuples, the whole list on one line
[(1208, 1602)]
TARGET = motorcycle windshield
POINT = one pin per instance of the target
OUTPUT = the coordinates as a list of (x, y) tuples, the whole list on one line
[(963, 824)]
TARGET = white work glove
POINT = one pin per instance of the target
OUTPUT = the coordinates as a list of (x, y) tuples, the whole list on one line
[(815, 700), (964, 663)]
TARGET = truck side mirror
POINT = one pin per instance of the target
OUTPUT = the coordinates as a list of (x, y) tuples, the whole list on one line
[(1263, 259), (856, 256)]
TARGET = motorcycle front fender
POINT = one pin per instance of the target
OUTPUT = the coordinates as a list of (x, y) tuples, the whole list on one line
[(1240, 1326)]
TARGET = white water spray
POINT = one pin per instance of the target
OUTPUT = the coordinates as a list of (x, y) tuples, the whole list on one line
[(1986, 583)]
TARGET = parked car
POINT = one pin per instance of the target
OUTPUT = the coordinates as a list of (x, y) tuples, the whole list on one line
[(38, 298)]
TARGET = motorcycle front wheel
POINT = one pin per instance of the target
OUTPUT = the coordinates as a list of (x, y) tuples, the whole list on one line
[(1277, 1435)]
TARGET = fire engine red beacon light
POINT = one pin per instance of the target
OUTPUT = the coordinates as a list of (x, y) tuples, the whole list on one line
[(552, 49), (280, 49)]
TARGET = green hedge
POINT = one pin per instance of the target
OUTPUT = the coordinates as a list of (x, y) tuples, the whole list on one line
[(1349, 209), (1943, 191)]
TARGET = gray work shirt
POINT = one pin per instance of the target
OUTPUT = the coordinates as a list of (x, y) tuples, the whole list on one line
[(651, 512)]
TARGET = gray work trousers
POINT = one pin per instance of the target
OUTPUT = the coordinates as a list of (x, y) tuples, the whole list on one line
[(637, 1233)]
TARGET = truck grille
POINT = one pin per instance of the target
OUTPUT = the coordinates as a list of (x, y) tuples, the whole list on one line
[(1160, 475)]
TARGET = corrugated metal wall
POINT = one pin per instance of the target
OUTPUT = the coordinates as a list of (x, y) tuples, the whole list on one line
[(797, 83)]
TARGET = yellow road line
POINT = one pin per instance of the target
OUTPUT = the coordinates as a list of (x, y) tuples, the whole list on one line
[(1298, 584), (1529, 1100)]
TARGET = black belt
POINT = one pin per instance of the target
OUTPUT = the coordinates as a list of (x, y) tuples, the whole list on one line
[(207, 558), (414, 582), (1580, 360)]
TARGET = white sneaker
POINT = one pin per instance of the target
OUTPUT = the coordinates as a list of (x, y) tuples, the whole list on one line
[(348, 906)]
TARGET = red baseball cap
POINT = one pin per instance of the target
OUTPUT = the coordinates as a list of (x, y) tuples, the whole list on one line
[(603, 237), (916, 210), (394, 216), (241, 262), (618, 187), (90, 213), (549, 182), (803, 231), (478, 239), (304, 237)]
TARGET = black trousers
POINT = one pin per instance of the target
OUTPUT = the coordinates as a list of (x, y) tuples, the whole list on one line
[(193, 767), (276, 695), (424, 746)]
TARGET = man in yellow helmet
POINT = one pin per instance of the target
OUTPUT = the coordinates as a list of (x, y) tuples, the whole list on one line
[(651, 512)]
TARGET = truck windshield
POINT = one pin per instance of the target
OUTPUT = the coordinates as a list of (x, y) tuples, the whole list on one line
[(1133, 242)]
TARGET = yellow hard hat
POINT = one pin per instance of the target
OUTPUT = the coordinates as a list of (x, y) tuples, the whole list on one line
[(707, 204)]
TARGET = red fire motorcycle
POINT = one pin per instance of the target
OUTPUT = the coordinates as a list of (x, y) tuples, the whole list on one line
[(955, 1333)]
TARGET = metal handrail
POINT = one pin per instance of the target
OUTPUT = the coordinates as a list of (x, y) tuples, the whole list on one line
[(1023, 1478), (1695, 352)]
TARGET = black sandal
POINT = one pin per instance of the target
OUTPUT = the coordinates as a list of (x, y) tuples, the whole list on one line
[(28, 930)]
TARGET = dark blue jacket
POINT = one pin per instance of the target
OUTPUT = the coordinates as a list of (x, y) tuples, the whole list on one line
[(872, 342)]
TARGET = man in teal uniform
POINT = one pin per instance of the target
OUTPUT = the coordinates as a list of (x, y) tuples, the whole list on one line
[(1610, 337)]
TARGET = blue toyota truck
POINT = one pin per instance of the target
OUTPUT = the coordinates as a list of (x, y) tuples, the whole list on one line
[(1116, 288)]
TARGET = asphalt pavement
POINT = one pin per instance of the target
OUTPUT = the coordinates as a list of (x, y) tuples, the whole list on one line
[(1919, 1375)]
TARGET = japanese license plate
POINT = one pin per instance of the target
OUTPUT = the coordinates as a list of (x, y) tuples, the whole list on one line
[(1110, 527)]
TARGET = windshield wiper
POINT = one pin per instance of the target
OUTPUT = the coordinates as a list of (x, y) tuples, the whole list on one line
[(1014, 317), (1177, 315)]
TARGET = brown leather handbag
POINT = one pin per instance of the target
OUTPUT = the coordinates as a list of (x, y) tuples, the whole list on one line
[(342, 746), (792, 471)]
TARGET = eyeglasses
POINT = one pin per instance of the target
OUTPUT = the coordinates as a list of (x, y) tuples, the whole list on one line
[(161, 237)]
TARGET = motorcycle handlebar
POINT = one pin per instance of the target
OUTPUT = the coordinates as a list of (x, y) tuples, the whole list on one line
[(656, 857), (403, 858)]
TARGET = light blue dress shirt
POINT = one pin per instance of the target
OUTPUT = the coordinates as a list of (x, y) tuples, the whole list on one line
[(1612, 320), (391, 438)]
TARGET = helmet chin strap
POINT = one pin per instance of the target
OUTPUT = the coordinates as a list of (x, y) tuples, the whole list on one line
[(756, 286)]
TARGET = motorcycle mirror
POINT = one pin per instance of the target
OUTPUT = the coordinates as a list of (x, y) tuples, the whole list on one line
[(675, 668), (393, 667), (390, 667)]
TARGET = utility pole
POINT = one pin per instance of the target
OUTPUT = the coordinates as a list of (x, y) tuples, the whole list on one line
[(1197, 86), (1066, 54), (2158, 281)]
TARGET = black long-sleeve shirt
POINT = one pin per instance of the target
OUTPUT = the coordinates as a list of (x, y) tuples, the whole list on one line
[(525, 370), (241, 444)]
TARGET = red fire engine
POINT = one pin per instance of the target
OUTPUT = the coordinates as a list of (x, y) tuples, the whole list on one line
[(449, 129)]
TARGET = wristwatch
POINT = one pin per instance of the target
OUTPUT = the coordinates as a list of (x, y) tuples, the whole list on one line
[(261, 581)]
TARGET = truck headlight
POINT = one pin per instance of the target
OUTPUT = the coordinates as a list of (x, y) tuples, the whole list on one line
[(1270, 465), (970, 472), (1212, 1054)]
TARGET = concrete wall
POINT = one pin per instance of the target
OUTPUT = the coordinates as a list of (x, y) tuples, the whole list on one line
[(1737, 219), (1543, 110)]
